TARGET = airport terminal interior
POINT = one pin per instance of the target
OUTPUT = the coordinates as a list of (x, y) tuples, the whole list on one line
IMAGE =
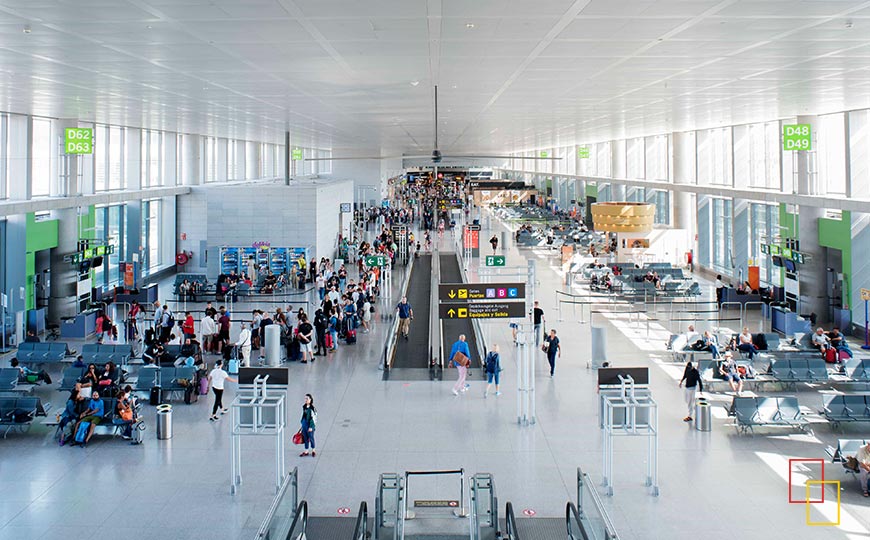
[(434, 269)]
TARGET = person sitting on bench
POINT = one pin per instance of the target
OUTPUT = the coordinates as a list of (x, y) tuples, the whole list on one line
[(731, 373), (93, 414), (27, 375), (744, 343), (707, 343), (820, 340), (863, 457), (124, 412), (31, 337), (838, 342)]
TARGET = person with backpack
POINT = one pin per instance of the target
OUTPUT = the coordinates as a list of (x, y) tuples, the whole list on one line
[(308, 423), (493, 367), (320, 325), (188, 330), (167, 322), (494, 243), (334, 323)]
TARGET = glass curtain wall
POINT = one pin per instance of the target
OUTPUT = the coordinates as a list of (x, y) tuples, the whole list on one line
[(152, 213), (41, 158), (723, 222)]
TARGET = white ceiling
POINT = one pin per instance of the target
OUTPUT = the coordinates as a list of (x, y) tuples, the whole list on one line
[(531, 73)]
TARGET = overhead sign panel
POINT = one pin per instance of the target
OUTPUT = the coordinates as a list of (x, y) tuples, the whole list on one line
[(450, 292), (482, 310), (495, 260), (296, 154), (583, 152), (78, 140), (797, 137)]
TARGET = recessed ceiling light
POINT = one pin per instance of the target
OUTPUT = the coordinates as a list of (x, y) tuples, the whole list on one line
[(149, 27), (415, 83), (455, 87), (26, 29), (470, 26), (848, 24)]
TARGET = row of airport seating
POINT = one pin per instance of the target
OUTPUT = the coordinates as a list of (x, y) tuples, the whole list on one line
[(751, 412), (18, 413), (42, 353)]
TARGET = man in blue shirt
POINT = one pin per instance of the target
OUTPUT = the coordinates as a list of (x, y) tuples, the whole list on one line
[(93, 414), (406, 314), (460, 357)]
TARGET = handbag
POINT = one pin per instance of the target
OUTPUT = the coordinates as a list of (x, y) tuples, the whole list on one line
[(297, 437), (461, 359)]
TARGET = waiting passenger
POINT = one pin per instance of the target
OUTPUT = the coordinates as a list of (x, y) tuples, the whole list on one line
[(124, 412), (838, 342), (93, 415), (744, 343), (863, 457), (31, 337), (694, 386), (27, 375), (729, 370), (107, 377), (820, 340)]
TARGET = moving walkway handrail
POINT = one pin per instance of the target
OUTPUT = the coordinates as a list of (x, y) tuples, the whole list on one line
[(510, 523), (585, 485), (361, 529), (301, 520), (572, 521), (434, 319), (291, 484), (393, 334)]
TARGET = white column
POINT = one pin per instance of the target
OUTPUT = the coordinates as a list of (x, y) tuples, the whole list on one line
[(617, 169), (20, 136)]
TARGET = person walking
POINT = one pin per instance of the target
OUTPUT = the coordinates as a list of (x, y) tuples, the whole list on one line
[(493, 368), (244, 345), (694, 386), (320, 325), (216, 379), (494, 243), (308, 423), (460, 357), (538, 319), (406, 315), (553, 348)]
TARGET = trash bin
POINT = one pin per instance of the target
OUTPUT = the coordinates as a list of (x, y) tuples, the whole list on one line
[(703, 416), (164, 421)]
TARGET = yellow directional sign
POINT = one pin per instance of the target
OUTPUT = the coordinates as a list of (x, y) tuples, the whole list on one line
[(865, 294), (462, 313), (463, 293)]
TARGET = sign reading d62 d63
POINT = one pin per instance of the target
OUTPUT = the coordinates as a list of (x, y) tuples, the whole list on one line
[(797, 137), (78, 140)]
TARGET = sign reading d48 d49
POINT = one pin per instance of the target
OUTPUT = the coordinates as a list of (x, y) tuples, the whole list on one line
[(797, 137)]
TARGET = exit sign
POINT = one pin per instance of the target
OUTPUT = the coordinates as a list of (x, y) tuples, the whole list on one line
[(376, 260), (797, 137), (296, 154), (583, 152), (78, 140), (495, 260)]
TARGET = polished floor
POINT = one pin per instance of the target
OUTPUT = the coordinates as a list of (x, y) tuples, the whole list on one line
[(715, 485)]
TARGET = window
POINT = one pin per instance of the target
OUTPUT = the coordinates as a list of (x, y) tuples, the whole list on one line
[(859, 153), (634, 158), (722, 234), (831, 152), (152, 158), (662, 200), (656, 157), (209, 156), (151, 231), (714, 157), (4, 159), (764, 155), (763, 230), (602, 152), (233, 161), (116, 158), (179, 169), (41, 158), (101, 157)]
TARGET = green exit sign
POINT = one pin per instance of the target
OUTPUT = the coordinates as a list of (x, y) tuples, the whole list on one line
[(583, 152), (544, 154), (376, 260), (78, 140), (296, 154), (495, 260), (797, 137)]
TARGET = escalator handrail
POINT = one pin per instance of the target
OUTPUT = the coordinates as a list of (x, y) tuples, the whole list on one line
[(510, 522), (572, 519), (360, 530), (302, 519)]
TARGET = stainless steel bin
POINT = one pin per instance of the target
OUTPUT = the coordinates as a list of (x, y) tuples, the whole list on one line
[(164, 421), (703, 416)]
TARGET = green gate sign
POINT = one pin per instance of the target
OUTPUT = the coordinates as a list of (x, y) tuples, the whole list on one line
[(495, 260), (376, 260), (544, 153), (78, 140), (583, 152), (296, 154), (797, 137)]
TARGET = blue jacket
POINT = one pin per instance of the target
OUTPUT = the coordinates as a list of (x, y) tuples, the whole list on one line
[(460, 346)]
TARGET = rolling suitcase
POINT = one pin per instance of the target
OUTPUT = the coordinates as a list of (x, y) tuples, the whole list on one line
[(191, 394), (156, 396), (351, 337), (82, 432)]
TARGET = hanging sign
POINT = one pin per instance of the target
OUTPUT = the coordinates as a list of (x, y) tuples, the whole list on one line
[(797, 137)]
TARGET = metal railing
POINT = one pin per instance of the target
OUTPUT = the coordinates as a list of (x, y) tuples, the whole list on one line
[(591, 512), (574, 524), (361, 529), (484, 505), (510, 523), (284, 510), (407, 490), (300, 523), (434, 320), (388, 506)]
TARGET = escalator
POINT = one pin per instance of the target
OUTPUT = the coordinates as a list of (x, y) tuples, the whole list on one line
[(452, 328), (411, 356)]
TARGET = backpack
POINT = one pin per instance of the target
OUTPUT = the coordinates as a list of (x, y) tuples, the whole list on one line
[(171, 320), (491, 361)]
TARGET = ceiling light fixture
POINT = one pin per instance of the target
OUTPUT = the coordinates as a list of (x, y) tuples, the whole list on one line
[(415, 83), (470, 26), (149, 27), (848, 24), (27, 29)]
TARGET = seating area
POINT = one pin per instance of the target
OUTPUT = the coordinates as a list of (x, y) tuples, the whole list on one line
[(18, 413), (858, 370), (72, 374), (839, 408), (797, 369), (42, 353), (751, 412), (845, 448), (171, 380), (199, 282), (96, 353)]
